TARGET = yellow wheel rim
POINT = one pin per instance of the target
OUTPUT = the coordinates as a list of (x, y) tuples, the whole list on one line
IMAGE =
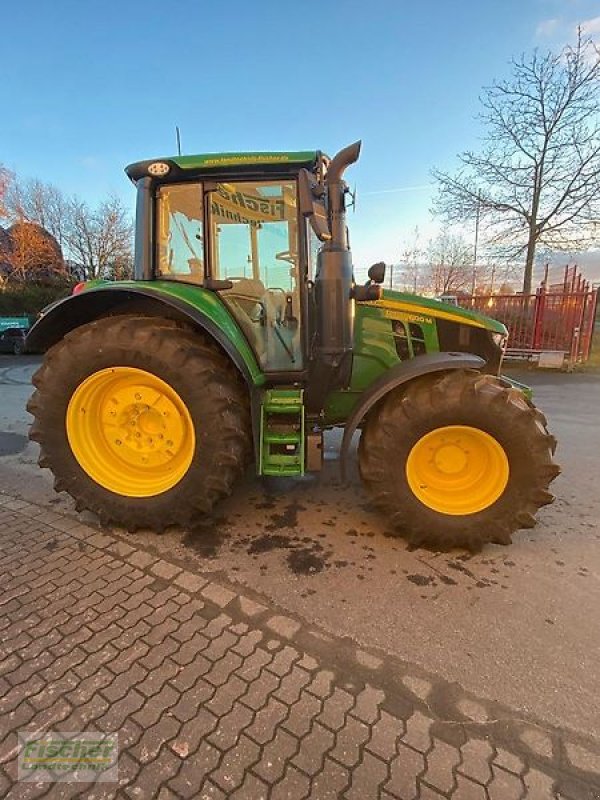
[(130, 431), (457, 470)]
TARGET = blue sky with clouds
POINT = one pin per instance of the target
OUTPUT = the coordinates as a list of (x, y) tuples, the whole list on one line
[(90, 86)]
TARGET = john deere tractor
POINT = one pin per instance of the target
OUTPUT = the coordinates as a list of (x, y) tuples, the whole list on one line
[(244, 336)]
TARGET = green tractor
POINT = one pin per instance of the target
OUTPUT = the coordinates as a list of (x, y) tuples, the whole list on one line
[(244, 336)]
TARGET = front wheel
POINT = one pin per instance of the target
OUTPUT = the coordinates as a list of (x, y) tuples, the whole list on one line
[(142, 421), (458, 459)]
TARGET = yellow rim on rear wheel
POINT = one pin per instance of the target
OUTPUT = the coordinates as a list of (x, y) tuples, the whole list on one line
[(130, 432), (457, 470)]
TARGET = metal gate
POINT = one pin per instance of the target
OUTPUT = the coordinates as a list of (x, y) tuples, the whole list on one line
[(558, 318)]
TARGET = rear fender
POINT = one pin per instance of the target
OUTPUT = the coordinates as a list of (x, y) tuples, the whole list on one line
[(65, 316), (396, 376)]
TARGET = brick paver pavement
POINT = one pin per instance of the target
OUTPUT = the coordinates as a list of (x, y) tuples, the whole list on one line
[(217, 695)]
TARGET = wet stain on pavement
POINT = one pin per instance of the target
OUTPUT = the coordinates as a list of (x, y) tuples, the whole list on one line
[(461, 568), (12, 443), (269, 542), (421, 580), (289, 518), (207, 539), (265, 505), (448, 580), (306, 561)]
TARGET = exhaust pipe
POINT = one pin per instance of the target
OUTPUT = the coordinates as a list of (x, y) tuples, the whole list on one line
[(336, 190), (332, 357)]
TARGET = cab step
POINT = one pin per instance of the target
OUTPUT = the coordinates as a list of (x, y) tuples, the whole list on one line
[(282, 432)]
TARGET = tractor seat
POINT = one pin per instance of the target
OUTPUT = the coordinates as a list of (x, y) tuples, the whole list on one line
[(248, 288)]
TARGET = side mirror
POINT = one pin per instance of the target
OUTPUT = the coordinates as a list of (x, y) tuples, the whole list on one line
[(313, 206), (377, 272)]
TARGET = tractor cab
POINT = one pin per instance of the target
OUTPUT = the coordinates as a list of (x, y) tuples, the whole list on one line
[(216, 224)]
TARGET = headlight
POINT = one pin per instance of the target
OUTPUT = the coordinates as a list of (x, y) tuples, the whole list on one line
[(500, 339), (158, 169)]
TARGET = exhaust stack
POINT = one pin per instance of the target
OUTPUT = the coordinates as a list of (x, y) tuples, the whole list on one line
[(336, 189), (332, 357)]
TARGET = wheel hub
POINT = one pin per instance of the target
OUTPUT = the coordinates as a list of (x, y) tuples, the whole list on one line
[(449, 459), (457, 470), (130, 431)]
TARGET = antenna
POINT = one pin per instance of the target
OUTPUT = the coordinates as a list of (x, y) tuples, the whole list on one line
[(178, 136)]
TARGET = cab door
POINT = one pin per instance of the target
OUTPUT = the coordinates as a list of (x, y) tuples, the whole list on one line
[(254, 243)]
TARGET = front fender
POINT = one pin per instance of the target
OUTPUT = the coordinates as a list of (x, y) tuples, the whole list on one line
[(396, 376), (207, 314)]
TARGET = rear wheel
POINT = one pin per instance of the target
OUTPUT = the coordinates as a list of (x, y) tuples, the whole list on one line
[(142, 421), (458, 459)]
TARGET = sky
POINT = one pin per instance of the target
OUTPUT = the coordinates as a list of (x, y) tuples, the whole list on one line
[(88, 87)]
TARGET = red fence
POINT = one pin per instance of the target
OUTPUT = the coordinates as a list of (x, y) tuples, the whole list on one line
[(559, 318)]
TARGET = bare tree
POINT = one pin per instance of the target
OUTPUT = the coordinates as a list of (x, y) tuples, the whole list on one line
[(5, 180), (450, 267), (410, 266), (99, 240), (39, 202), (537, 177)]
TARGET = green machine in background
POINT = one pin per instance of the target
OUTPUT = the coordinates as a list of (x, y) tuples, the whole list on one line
[(244, 336)]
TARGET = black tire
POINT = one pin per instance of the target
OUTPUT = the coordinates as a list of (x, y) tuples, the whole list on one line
[(457, 398), (200, 373), (18, 348)]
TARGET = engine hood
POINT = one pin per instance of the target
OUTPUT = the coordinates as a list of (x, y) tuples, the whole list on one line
[(404, 303)]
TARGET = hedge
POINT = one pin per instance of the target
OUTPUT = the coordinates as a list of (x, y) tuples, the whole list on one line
[(28, 300)]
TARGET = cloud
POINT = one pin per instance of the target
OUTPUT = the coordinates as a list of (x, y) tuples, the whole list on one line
[(547, 28), (420, 188), (561, 32), (591, 27)]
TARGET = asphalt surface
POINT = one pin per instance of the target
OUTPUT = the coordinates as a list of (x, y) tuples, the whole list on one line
[(517, 625)]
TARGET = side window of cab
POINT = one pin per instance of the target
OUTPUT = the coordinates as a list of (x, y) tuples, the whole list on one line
[(180, 239)]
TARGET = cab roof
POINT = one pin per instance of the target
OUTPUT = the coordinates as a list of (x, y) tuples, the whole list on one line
[(214, 163)]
